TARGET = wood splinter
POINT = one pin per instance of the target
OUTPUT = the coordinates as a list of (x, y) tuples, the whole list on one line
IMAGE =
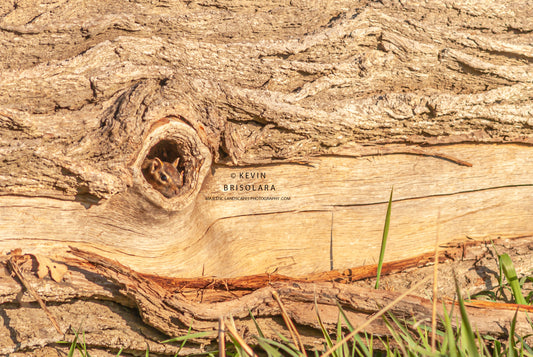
[(15, 269)]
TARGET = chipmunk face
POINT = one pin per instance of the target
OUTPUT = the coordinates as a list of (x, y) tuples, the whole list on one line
[(165, 177)]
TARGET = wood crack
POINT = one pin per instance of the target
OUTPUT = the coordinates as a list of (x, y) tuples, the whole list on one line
[(434, 195)]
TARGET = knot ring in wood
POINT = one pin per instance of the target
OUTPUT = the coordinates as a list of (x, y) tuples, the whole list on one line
[(172, 142)]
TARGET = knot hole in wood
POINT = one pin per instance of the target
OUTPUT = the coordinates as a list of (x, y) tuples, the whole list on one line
[(171, 166)]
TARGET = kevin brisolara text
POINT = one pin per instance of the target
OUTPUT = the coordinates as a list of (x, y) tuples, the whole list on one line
[(249, 188)]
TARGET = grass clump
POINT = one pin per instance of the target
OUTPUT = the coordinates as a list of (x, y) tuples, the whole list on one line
[(78, 344)]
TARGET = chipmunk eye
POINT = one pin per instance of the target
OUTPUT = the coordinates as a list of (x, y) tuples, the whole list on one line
[(163, 177)]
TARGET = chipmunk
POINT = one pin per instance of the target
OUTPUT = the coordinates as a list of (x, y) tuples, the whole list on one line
[(163, 176)]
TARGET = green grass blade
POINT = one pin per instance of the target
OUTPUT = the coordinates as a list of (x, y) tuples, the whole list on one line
[(73, 345), (414, 347), (120, 351), (271, 351), (396, 336), (189, 336), (256, 325), (510, 274), (184, 341), (499, 277), (491, 296), (366, 348), (324, 331), (468, 340), (450, 338), (496, 346), (344, 350), (281, 346), (482, 345), (467, 334), (339, 329), (512, 341), (384, 240), (404, 335), (527, 349), (343, 314), (357, 339), (284, 339), (239, 351), (84, 345), (423, 336)]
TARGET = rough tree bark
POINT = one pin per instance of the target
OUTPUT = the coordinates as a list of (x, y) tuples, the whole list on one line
[(291, 121)]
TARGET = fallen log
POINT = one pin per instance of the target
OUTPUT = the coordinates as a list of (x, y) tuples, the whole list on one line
[(285, 125)]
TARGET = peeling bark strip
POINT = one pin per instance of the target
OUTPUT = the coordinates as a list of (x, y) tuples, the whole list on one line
[(173, 314), (96, 289)]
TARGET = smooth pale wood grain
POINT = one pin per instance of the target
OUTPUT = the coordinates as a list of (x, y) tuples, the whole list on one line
[(334, 218)]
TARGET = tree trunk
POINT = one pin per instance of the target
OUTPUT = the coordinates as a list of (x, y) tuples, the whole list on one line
[(291, 123)]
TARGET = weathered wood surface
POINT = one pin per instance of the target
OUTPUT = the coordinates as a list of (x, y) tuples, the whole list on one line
[(334, 218), (333, 102)]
